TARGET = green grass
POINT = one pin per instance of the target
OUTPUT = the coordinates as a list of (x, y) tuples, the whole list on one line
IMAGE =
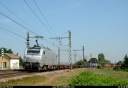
[(122, 75), (76, 77), (27, 81), (62, 79), (91, 79)]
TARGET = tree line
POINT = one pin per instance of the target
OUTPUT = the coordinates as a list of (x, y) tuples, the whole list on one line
[(101, 61)]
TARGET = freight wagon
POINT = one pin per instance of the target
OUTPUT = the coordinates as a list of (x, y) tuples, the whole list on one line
[(90, 64)]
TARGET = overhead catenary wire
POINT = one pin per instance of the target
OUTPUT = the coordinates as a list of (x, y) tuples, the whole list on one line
[(24, 21), (45, 20), (17, 23), (37, 17), (11, 31), (58, 38), (44, 16), (15, 15), (63, 33), (18, 16), (22, 26), (13, 34)]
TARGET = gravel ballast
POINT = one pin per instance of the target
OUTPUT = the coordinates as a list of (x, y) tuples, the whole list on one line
[(46, 74)]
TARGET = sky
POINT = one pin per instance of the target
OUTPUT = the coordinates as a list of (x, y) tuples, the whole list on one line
[(101, 26)]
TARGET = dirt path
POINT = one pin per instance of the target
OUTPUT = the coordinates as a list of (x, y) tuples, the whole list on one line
[(62, 79)]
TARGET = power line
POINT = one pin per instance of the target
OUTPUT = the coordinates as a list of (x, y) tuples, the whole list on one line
[(17, 16), (58, 38), (24, 21), (69, 45), (22, 26), (37, 17), (63, 33), (43, 16), (5, 27), (17, 23), (11, 33)]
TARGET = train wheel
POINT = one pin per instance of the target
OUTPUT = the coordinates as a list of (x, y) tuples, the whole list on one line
[(25, 68), (39, 69), (45, 68), (52, 68)]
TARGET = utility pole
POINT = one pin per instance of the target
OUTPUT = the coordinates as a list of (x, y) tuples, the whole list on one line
[(2, 54), (58, 55), (90, 55), (70, 53), (83, 53), (27, 44), (69, 45), (75, 56)]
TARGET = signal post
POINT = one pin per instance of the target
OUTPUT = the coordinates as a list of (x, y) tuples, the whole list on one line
[(2, 54)]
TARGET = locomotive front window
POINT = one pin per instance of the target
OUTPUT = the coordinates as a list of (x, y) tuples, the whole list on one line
[(33, 51)]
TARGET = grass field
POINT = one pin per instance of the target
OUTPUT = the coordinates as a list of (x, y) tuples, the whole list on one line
[(122, 75), (87, 77), (91, 79), (27, 81), (62, 79)]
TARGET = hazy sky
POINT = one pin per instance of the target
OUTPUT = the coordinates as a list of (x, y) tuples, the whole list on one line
[(101, 26)]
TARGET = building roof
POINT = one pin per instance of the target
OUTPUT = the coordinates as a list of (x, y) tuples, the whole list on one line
[(11, 55)]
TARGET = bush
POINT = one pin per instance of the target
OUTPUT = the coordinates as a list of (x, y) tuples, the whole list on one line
[(100, 67), (90, 79)]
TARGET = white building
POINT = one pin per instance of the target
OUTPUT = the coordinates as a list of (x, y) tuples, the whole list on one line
[(10, 61)]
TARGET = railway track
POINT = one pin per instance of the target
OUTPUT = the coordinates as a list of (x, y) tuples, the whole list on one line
[(12, 73), (19, 75)]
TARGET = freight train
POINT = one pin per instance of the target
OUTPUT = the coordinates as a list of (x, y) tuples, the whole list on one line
[(41, 58)]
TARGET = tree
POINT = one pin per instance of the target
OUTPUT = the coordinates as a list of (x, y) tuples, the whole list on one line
[(125, 63), (6, 50), (93, 60), (9, 51), (81, 63), (21, 61), (107, 62), (101, 59), (119, 63)]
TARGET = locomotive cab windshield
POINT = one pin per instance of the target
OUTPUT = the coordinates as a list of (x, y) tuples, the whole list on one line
[(33, 50)]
